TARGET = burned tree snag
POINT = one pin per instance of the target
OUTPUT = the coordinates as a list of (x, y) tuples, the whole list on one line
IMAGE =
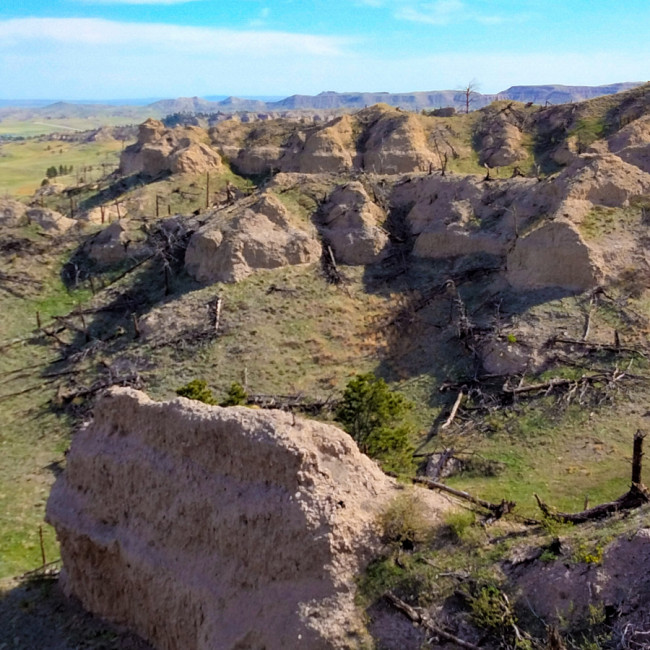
[(637, 457)]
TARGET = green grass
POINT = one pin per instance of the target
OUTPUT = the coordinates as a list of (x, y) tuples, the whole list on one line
[(33, 438), (562, 456), (36, 126), (23, 164)]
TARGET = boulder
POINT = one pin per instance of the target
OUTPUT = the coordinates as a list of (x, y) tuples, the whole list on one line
[(553, 255), (330, 149), (502, 145), (632, 143), (160, 150), (263, 236), (50, 221), (395, 142), (351, 224), (111, 244), (12, 213), (203, 527)]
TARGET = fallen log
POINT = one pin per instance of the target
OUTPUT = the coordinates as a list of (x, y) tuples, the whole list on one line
[(420, 618), (563, 383), (497, 509), (447, 423), (635, 497), (595, 346)]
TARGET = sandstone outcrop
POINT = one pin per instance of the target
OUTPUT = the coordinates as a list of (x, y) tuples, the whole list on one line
[(553, 255), (262, 236), (111, 245), (351, 224), (12, 213), (501, 140), (50, 221), (159, 150), (394, 143), (330, 149), (632, 143), (205, 528)]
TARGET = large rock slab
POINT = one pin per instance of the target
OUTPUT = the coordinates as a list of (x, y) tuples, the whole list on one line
[(12, 212), (159, 150), (352, 225), (205, 528), (263, 236)]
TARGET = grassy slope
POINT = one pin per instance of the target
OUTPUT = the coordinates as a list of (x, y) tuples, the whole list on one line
[(23, 164), (311, 338)]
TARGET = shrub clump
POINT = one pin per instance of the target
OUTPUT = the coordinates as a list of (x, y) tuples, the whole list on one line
[(197, 389), (236, 396)]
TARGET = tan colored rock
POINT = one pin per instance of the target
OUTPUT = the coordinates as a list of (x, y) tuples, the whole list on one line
[(257, 159), (150, 131), (632, 143), (454, 241), (111, 245), (12, 213), (49, 220), (261, 237), (503, 357), (351, 224), (94, 215), (395, 143), (553, 255), (159, 150), (204, 528), (330, 149), (502, 145), (194, 158), (567, 152)]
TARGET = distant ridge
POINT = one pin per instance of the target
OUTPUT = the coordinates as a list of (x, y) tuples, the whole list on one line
[(135, 112), (551, 94)]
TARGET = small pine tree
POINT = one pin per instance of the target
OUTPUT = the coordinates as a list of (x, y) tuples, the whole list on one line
[(237, 395), (51, 172), (375, 417), (197, 389)]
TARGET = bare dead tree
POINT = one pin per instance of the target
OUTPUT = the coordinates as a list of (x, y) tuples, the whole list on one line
[(470, 91)]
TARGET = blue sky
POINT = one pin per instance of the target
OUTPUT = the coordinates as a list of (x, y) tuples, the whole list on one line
[(103, 49)]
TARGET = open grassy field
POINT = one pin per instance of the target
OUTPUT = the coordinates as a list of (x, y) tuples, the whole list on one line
[(23, 164), (35, 126)]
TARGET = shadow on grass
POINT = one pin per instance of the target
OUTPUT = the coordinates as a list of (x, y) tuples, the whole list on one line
[(34, 613)]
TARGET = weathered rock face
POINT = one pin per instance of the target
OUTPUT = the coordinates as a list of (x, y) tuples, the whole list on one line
[(330, 149), (554, 255), (351, 225), (111, 245), (632, 143), (159, 150), (50, 221), (205, 528), (501, 143), (396, 144), (260, 237), (12, 213), (559, 589)]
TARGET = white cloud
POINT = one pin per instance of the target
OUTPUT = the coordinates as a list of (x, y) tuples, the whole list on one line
[(158, 36)]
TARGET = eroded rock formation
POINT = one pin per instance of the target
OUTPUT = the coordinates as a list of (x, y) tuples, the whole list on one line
[(352, 226), (158, 150), (206, 528), (261, 236)]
